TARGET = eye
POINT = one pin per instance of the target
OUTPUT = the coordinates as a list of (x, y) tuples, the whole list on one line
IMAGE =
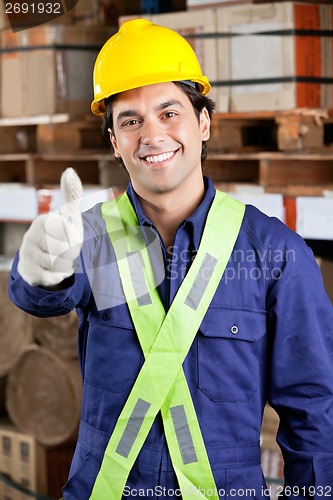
[(170, 114), (131, 123)]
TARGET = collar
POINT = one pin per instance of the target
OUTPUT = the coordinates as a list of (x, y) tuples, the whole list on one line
[(197, 220)]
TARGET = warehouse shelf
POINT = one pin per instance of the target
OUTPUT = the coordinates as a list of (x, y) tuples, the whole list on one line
[(36, 120), (282, 171), (36, 169)]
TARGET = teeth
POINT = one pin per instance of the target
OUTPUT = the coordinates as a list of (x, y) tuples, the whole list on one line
[(157, 158)]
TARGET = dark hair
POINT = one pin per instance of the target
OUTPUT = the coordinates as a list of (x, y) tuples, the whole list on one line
[(199, 102)]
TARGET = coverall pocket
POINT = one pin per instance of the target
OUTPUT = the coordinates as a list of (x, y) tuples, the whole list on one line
[(114, 356), (82, 475), (230, 348), (245, 482)]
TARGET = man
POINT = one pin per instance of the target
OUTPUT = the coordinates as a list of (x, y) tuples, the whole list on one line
[(194, 310)]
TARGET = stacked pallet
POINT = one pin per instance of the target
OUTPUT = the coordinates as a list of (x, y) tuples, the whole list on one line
[(271, 69)]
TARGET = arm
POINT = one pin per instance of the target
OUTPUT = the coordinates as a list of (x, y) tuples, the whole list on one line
[(43, 302), (301, 371), (42, 280)]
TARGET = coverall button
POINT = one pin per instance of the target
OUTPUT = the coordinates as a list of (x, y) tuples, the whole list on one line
[(234, 329), (105, 316)]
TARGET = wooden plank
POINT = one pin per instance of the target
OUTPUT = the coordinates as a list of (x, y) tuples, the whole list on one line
[(74, 136), (290, 212), (46, 171), (295, 171), (288, 190), (38, 170), (267, 169), (293, 190), (35, 120), (231, 170)]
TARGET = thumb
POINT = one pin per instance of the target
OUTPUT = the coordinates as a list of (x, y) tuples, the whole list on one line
[(71, 192)]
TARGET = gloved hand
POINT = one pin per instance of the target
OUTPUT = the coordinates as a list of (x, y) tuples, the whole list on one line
[(54, 240)]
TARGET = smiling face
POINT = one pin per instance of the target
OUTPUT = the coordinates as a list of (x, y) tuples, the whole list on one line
[(159, 138)]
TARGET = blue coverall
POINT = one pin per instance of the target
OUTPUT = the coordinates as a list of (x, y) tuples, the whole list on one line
[(267, 336)]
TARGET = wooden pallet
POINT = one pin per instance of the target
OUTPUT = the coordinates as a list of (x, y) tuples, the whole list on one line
[(279, 171), (302, 130), (77, 135), (51, 134), (39, 170), (298, 130), (284, 173)]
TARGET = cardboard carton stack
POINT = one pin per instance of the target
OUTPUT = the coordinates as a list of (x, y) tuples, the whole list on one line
[(48, 69), (275, 56), (268, 56), (29, 465), (22, 460)]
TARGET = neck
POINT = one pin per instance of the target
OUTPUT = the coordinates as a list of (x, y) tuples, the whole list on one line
[(168, 210)]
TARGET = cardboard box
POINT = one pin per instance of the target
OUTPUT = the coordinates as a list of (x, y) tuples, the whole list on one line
[(314, 217), (18, 202), (37, 468), (30, 464), (87, 13), (4, 22), (326, 267), (206, 4), (22, 459), (7, 447), (270, 204), (24, 18), (264, 71), (202, 4), (193, 26), (48, 69)]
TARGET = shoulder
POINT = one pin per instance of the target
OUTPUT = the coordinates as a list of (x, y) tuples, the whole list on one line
[(267, 229), (275, 239)]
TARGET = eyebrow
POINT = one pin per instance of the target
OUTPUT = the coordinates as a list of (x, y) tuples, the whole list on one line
[(160, 107), (127, 113), (166, 104)]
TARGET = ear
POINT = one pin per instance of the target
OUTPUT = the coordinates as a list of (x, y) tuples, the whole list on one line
[(205, 125), (114, 143)]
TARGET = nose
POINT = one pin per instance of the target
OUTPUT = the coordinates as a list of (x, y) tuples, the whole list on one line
[(151, 132)]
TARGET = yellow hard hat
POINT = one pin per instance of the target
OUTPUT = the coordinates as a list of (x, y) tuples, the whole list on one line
[(142, 53)]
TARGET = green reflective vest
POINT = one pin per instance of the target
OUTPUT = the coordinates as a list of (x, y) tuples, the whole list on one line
[(165, 340)]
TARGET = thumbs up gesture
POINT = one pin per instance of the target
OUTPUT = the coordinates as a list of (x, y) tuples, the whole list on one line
[(54, 240)]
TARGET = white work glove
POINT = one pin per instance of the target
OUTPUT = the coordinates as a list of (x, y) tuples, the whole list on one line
[(54, 240)]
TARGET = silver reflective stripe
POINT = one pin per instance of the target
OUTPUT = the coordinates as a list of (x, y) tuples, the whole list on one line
[(133, 427), (183, 435), (138, 278), (201, 281)]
